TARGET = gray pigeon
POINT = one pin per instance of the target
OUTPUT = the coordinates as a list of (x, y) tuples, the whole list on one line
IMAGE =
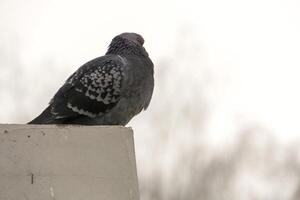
[(108, 90)]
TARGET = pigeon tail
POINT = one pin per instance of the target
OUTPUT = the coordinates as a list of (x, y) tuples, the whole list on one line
[(45, 117)]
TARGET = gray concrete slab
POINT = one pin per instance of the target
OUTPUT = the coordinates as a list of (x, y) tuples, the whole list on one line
[(49, 162)]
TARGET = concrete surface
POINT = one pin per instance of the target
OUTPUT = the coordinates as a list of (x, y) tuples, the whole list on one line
[(49, 162)]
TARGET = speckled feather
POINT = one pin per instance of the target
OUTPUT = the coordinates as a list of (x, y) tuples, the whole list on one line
[(92, 90)]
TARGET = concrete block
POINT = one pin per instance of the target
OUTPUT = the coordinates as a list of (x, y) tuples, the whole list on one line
[(49, 162)]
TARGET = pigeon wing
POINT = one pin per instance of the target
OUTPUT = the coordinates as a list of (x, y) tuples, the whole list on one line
[(91, 91)]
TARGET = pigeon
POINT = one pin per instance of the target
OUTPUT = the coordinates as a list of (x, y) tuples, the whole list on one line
[(108, 90)]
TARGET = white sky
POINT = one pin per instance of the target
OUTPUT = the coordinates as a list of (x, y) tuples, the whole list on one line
[(252, 47)]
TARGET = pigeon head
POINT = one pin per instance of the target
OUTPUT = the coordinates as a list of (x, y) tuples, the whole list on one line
[(127, 44), (133, 37)]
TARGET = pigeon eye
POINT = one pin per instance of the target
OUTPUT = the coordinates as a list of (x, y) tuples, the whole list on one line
[(140, 40)]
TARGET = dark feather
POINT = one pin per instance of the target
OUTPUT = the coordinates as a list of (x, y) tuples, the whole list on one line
[(89, 92)]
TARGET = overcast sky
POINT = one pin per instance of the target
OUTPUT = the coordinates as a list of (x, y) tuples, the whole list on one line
[(251, 48)]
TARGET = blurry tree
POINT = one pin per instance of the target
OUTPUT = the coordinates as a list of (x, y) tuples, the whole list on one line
[(181, 164)]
